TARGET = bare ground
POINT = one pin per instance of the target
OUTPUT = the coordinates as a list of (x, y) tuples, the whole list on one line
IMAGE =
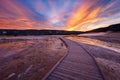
[(105, 53), (29, 59)]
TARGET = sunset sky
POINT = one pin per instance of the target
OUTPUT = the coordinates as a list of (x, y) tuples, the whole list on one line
[(78, 15)]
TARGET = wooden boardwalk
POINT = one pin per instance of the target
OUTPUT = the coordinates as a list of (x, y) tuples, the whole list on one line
[(77, 65)]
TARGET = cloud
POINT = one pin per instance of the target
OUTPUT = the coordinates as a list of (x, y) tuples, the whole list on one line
[(87, 15), (80, 15)]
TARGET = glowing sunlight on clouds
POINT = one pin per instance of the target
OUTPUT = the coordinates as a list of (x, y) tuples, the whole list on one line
[(79, 15)]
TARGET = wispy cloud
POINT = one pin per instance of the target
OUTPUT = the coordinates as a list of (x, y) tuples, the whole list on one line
[(80, 15)]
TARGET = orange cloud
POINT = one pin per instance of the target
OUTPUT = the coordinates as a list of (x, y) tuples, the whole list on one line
[(82, 16)]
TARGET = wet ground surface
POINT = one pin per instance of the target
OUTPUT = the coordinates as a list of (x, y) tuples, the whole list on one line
[(106, 52), (29, 59)]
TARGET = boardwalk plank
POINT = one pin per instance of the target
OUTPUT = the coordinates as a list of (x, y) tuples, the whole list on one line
[(77, 65)]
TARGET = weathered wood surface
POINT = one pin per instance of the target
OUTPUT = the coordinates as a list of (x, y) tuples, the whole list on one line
[(77, 65)]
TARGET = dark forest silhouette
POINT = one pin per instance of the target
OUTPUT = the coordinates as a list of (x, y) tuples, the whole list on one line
[(113, 28)]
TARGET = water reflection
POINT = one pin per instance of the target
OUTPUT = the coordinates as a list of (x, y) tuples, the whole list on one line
[(108, 45)]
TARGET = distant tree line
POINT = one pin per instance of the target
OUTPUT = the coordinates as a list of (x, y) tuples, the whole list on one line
[(113, 28), (37, 32)]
